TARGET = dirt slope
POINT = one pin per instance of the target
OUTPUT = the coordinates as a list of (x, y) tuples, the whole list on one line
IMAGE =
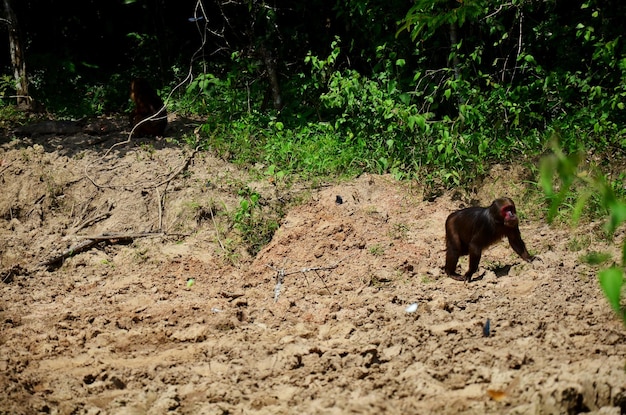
[(121, 329)]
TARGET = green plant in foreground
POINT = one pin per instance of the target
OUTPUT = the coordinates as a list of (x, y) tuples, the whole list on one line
[(256, 228), (570, 177)]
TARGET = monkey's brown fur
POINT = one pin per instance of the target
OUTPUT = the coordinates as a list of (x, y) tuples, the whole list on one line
[(147, 104), (471, 230)]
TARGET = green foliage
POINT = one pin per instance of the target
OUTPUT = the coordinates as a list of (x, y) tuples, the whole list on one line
[(426, 16), (462, 84), (11, 117), (255, 227), (611, 281), (7, 87), (596, 258), (376, 250), (67, 91), (570, 177)]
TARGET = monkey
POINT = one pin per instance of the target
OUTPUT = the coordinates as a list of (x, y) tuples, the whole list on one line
[(471, 230), (147, 103)]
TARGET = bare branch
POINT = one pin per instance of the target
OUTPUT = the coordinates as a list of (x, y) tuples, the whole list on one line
[(281, 274)]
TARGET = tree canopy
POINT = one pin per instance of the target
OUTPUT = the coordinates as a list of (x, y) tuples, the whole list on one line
[(444, 83)]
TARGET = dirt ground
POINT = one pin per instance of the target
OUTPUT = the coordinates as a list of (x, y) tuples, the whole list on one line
[(179, 319)]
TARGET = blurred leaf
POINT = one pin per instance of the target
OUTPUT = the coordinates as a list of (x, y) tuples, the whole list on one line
[(546, 174), (617, 216), (580, 206), (611, 281)]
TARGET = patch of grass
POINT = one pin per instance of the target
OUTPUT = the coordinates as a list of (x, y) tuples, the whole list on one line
[(231, 254), (11, 116), (106, 262), (255, 226), (578, 243), (595, 258), (371, 210), (399, 231), (376, 250), (140, 254)]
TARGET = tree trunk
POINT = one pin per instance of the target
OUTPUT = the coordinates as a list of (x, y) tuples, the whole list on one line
[(270, 66), (453, 45), (456, 63), (17, 56)]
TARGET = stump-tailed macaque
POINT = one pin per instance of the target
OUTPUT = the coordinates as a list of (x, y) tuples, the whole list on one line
[(147, 104), (471, 230)]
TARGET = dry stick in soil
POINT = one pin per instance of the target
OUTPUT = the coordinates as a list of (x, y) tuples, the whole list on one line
[(217, 231), (281, 274), (94, 240), (111, 238), (11, 272), (155, 186)]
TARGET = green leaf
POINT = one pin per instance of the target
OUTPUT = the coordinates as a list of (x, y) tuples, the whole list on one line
[(529, 59), (581, 203), (618, 216), (611, 281), (546, 173)]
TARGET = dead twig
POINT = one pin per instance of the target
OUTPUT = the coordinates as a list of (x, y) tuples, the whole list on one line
[(217, 231), (109, 236), (89, 222), (11, 272), (6, 166), (160, 196), (281, 274), (143, 185)]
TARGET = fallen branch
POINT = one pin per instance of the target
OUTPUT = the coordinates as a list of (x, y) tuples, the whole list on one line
[(112, 236), (56, 261)]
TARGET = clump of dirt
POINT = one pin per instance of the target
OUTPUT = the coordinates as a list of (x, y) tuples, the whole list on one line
[(180, 319)]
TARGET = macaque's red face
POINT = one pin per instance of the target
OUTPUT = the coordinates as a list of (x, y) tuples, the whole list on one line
[(509, 216)]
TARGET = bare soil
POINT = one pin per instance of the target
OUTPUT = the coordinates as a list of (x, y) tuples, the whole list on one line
[(178, 318)]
